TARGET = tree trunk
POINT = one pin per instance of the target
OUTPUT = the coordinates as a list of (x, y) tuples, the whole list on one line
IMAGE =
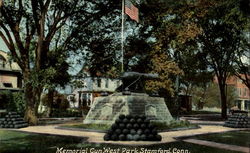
[(223, 98), (32, 98), (50, 101)]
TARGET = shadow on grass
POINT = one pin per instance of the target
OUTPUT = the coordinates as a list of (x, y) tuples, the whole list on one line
[(19, 142), (239, 138), (13, 141)]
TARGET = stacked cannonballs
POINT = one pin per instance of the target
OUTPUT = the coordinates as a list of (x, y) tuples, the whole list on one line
[(238, 120), (132, 128), (12, 120)]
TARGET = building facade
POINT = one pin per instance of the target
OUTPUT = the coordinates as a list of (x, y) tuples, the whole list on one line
[(242, 92), (10, 74), (10, 77), (92, 87)]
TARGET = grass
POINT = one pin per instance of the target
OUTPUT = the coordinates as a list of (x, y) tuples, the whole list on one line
[(12, 141), (240, 138), (19, 142), (203, 112), (175, 124), (101, 127)]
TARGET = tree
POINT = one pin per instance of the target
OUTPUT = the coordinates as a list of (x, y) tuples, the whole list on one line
[(42, 22), (209, 95), (209, 31), (242, 63), (219, 41)]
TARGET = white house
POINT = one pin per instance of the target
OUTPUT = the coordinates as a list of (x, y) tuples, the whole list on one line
[(92, 87)]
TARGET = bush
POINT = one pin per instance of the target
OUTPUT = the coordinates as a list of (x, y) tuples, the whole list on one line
[(19, 103), (13, 101), (5, 97), (66, 113)]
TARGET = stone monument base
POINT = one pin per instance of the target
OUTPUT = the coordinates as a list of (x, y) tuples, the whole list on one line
[(106, 109)]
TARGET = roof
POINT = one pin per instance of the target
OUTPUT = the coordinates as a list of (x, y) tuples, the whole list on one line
[(11, 66)]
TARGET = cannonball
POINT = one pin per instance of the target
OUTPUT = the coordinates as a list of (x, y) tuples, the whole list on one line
[(125, 120), (129, 126), (139, 131), (147, 131), (139, 120), (132, 131), (143, 117), (154, 131), (133, 116), (125, 131), (122, 137), (135, 126), (118, 121), (129, 137), (151, 126), (121, 125), (118, 131), (132, 120), (106, 137), (114, 137), (114, 126), (109, 131), (143, 126), (158, 137), (143, 137), (121, 116), (136, 117), (128, 117), (151, 137), (146, 121), (137, 137)]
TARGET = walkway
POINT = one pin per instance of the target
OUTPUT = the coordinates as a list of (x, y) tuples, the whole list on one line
[(95, 137)]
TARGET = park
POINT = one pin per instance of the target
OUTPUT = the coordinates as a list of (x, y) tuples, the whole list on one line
[(124, 76)]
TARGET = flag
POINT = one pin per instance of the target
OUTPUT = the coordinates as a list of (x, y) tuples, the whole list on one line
[(131, 10)]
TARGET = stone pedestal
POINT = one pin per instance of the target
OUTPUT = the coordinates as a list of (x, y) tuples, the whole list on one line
[(106, 109)]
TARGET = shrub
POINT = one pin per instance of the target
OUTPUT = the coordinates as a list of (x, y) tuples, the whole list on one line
[(5, 97), (19, 102), (66, 113), (13, 101)]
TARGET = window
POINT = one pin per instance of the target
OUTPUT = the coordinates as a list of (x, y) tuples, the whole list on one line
[(7, 85), (2, 62), (99, 81), (117, 83), (89, 99), (107, 83)]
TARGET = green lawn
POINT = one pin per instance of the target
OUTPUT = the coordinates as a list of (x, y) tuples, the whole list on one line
[(240, 138), (100, 127), (18, 142), (202, 112)]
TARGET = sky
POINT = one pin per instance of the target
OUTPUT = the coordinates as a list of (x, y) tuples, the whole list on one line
[(74, 69), (3, 46)]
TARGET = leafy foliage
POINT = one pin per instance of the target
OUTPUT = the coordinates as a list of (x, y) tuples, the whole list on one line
[(40, 36), (13, 101), (209, 96)]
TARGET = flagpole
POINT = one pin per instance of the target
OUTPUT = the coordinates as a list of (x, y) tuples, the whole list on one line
[(122, 38)]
